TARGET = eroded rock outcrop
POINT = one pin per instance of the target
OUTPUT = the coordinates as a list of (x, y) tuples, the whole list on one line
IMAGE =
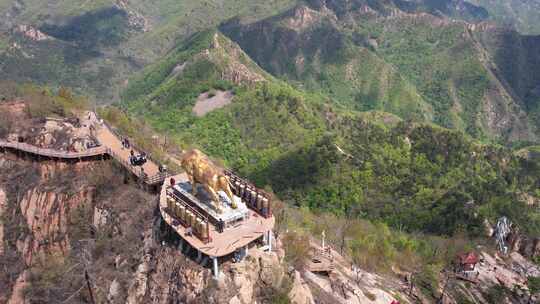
[(32, 33), (46, 214), (300, 292)]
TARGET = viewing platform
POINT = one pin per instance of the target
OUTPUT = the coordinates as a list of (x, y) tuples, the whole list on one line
[(195, 220)]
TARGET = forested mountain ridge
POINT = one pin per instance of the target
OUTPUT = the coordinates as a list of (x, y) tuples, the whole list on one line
[(415, 65), (315, 154), (426, 60), (524, 16), (95, 46)]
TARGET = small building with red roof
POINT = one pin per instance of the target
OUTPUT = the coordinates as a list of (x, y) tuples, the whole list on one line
[(467, 261)]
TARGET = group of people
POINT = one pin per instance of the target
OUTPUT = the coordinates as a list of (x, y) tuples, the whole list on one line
[(137, 160), (125, 143), (91, 144)]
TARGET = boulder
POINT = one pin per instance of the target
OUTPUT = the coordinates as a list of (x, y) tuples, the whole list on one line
[(300, 292), (271, 270), (100, 217), (114, 292), (235, 300)]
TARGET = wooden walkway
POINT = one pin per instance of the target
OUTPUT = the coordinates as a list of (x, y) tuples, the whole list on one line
[(52, 153), (150, 170), (111, 145)]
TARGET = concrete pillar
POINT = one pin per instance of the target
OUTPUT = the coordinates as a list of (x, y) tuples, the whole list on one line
[(216, 268), (269, 239)]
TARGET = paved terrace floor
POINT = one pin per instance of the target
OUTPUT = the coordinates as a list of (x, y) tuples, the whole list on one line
[(221, 244), (108, 139)]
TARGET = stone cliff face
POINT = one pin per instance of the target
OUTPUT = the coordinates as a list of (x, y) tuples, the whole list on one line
[(46, 214), (36, 213), (165, 275)]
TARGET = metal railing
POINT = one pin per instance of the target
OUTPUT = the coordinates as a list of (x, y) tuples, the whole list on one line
[(97, 151), (135, 147), (255, 198), (92, 152)]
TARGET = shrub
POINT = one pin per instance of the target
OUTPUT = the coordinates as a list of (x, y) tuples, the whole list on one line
[(297, 249)]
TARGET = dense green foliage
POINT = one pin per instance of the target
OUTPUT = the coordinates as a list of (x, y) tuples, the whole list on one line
[(104, 27), (415, 66), (412, 176), (325, 59)]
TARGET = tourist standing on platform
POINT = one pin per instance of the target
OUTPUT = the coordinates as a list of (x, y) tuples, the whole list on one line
[(221, 225)]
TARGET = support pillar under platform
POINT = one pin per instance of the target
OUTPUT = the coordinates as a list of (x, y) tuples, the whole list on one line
[(216, 267), (188, 249), (269, 240)]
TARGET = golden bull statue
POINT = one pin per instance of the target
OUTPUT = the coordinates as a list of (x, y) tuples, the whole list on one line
[(200, 169)]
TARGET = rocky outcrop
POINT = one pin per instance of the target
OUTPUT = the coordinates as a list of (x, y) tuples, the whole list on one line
[(115, 291), (301, 18), (300, 292), (139, 286), (73, 135), (32, 33), (136, 20), (17, 296), (236, 65), (165, 275), (46, 214)]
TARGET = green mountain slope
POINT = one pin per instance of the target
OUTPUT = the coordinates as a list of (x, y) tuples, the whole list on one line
[(306, 46), (413, 65), (310, 153), (95, 45), (517, 60), (403, 57)]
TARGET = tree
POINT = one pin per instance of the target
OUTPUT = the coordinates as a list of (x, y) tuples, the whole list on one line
[(297, 249), (533, 283)]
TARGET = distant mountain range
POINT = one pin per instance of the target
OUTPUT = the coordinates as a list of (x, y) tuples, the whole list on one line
[(437, 61)]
